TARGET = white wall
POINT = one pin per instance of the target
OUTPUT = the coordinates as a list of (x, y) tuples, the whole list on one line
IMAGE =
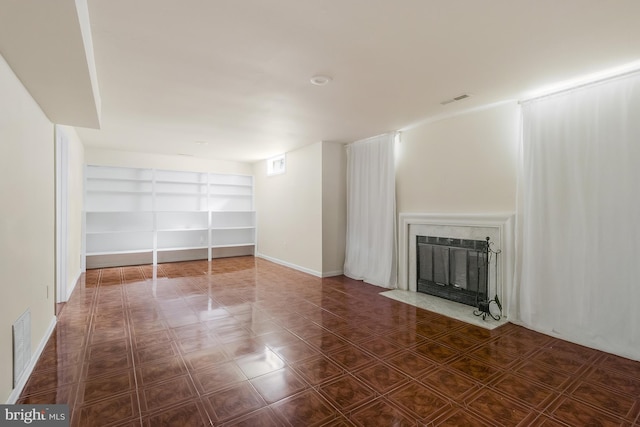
[(289, 210), (462, 164), (27, 222), (102, 157), (334, 207), (75, 194)]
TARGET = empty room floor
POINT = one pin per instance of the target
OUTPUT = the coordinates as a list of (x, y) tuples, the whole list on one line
[(242, 341)]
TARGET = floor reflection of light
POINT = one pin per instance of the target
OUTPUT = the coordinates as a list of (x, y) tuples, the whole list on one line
[(271, 358)]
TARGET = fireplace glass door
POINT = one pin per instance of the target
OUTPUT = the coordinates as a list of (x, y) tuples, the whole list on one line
[(454, 269)]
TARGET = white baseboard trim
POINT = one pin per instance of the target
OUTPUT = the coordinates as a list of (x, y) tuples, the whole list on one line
[(333, 273), (290, 265), (73, 284), (15, 394)]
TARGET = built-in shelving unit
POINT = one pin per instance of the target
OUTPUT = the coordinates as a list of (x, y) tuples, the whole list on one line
[(232, 228), (137, 216)]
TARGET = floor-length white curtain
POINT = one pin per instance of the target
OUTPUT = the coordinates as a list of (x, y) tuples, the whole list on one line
[(371, 211), (578, 234)]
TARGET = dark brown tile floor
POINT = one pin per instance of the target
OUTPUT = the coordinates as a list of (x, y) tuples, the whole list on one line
[(245, 342)]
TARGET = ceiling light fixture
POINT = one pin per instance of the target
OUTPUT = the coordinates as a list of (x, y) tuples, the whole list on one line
[(320, 80), (202, 143)]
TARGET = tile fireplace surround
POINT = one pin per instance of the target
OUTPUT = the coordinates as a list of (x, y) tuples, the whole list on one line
[(498, 227)]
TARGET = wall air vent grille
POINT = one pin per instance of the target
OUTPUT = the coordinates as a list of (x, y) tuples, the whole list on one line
[(21, 345)]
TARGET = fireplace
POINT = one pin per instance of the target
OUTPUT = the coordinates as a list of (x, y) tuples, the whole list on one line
[(475, 227), (452, 268)]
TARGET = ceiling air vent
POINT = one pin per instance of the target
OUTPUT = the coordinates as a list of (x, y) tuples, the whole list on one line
[(455, 98)]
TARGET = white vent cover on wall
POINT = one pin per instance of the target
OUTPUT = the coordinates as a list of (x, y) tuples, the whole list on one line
[(21, 345)]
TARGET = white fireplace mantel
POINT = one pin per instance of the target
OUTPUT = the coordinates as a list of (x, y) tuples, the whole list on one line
[(499, 225)]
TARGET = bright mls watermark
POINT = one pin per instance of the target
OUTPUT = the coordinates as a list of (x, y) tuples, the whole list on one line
[(34, 415)]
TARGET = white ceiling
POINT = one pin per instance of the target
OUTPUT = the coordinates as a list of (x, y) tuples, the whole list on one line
[(235, 73)]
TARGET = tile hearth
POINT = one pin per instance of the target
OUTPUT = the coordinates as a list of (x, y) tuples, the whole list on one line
[(245, 342), (445, 307)]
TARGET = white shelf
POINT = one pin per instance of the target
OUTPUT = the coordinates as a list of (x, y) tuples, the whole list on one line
[(142, 181), (120, 191), (173, 181), (235, 245), (178, 193), (94, 212), (135, 251), (149, 211), (233, 228), (177, 211), (89, 233), (213, 184), (160, 193), (172, 230), (231, 211), (229, 195), (184, 248)]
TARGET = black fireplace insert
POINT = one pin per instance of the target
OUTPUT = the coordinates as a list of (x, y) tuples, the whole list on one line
[(455, 269)]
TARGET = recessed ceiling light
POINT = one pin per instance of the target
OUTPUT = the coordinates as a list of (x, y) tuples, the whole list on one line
[(202, 143), (320, 80)]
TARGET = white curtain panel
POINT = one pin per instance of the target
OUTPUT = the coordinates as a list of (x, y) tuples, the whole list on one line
[(578, 233), (371, 211)]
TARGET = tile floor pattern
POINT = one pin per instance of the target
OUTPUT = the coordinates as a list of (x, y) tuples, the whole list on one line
[(245, 342)]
